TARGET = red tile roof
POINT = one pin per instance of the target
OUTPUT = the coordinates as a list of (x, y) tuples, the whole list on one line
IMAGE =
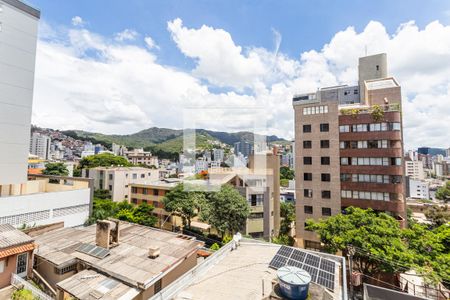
[(17, 250)]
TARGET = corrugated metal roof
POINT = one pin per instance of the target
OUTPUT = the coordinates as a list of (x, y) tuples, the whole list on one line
[(10, 236)]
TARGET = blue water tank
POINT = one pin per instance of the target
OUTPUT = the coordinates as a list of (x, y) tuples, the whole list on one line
[(293, 282)]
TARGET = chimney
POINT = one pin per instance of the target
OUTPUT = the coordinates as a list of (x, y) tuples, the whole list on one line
[(102, 234), (153, 251), (115, 233)]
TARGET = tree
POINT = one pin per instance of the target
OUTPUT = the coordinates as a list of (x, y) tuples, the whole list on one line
[(284, 182), (102, 194), (438, 215), (185, 204), (55, 169), (443, 193), (226, 210), (375, 235), (143, 214), (287, 214), (103, 160), (286, 173)]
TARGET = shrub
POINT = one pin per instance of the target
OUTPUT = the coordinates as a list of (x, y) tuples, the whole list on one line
[(22, 294), (215, 247)]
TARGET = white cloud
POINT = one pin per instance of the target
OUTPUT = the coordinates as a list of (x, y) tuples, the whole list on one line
[(91, 82), (126, 35), (77, 21), (150, 43)]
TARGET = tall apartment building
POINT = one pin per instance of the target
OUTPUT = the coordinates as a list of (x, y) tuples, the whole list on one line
[(18, 35), (245, 148), (40, 145), (349, 148), (414, 169)]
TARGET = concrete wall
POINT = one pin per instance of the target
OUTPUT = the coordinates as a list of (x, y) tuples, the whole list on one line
[(70, 207), (17, 60)]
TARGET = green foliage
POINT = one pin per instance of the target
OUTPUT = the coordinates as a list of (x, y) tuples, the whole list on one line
[(377, 234), (443, 193), (102, 194), (226, 210), (383, 247), (438, 215), (105, 208), (183, 203), (214, 247), (286, 173), (287, 213), (103, 160), (283, 239), (226, 239), (55, 169), (77, 172), (377, 113), (284, 182), (23, 294)]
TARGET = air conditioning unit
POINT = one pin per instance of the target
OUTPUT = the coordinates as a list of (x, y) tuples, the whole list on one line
[(153, 252)]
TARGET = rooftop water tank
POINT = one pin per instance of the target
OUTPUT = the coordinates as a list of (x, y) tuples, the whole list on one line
[(294, 282)]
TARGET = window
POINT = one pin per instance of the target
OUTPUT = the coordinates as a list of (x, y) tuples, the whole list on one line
[(307, 193), (66, 269), (323, 109), (346, 194), (134, 176), (395, 126), (2, 266), (134, 201), (308, 209), (259, 215), (307, 144), (326, 177), (326, 211), (306, 128), (345, 177), (344, 161), (324, 144), (324, 127), (142, 175), (307, 160), (344, 128), (307, 176), (155, 192), (110, 176), (133, 190), (326, 194), (110, 187), (325, 160), (257, 200)]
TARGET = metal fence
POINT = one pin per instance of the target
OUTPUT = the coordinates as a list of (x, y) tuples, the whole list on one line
[(21, 283)]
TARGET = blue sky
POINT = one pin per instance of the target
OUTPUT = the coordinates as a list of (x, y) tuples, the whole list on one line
[(127, 66), (304, 25)]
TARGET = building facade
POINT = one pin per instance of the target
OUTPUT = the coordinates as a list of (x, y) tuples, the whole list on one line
[(40, 145), (141, 157), (419, 189), (18, 35), (349, 148), (414, 169), (117, 179)]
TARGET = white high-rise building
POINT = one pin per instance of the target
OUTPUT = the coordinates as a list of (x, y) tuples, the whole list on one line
[(218, 155), (40, 145), (414, 169), (18, 35)]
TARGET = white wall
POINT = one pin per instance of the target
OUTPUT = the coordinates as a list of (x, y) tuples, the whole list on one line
[(72, 207), (17, 59), (419, 189)]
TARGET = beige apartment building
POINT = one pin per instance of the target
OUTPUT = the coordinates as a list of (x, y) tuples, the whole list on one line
[(117, 179), (139, 156), (349, 149)]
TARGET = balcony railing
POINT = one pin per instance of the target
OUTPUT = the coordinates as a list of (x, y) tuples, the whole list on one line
[(374, 110)]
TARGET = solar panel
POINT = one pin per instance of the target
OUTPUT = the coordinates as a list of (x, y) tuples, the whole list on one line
[(93, 250), (322, 270)]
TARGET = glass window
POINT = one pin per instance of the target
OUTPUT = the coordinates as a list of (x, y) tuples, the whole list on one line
[(307, 144), (307, 176), (321, 109), (307, 128), (325, 160), (395, 126), (324, 144), (308, 209), (326, 211), (354, 161), (326, 177), (324, 127), (326, 194), (384, 127), (307, 160), (325, 110), (308, 193), (342, 145), (344, 161)]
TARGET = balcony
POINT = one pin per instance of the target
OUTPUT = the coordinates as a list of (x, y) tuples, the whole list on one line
[(304, 98), (357, 110), (395, 206)]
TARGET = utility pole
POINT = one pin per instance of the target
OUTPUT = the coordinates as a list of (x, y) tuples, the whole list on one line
[(350, 252)]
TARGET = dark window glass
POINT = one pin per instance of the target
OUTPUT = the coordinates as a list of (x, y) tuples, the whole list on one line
[(155, 192), (324, 127), (134, 201), (308, 209), (326, 177), (307, 128), (325, 160), (307, 144), (307, 193), (324, 144), (307, 176), (326, 194), (326, 211), (307, 160)]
